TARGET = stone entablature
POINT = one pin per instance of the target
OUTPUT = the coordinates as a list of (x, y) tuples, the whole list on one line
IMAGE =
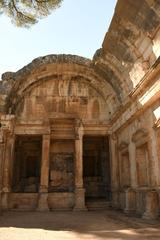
[(144, 96)]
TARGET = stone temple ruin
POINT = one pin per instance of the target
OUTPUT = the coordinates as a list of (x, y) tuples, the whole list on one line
[(79, 134)]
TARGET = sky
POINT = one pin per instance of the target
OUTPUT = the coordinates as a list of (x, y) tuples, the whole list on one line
[(77, 27)]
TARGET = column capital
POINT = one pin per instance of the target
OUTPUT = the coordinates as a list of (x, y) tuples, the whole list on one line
[(78, 128), (6, 189), (46, 136), (113, 136)]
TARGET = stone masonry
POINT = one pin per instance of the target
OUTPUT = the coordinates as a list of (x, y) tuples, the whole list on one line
[(74, 130)]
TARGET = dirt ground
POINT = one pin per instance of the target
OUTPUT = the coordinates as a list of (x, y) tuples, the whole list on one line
[(75, 225)]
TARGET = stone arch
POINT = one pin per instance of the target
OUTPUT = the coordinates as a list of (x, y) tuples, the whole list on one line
[(58, 68), (130, 47)]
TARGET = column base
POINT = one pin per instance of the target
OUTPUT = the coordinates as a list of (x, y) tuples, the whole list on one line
[(115, 200), (84, 209), (0, 203), (149, 216), (129, 211), (80, 200), (152, 206), (43, 202), (4, 201), (130, 201)]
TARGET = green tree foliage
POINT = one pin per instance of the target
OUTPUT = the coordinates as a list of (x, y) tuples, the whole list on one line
[(25, 13)]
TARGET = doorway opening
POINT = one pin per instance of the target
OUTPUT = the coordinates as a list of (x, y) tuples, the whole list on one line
[(96, 167), (26, 165)]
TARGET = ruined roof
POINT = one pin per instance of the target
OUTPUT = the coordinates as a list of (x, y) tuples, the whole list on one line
[(129, 50), (130, 46), (48, 59)]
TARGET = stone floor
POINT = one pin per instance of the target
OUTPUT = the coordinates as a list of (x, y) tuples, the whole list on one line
[(75, 225)]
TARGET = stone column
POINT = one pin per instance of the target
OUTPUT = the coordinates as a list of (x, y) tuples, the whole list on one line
[(8, 155), (79, 190), (44, 178), (152, 205)]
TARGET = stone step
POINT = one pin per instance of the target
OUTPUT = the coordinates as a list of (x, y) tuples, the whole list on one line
[(98, 205)]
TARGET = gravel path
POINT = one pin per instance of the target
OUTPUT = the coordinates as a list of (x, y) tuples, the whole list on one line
[(75, 225)]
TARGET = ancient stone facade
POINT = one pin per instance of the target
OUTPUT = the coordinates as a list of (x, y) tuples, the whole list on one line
[(74, 130)]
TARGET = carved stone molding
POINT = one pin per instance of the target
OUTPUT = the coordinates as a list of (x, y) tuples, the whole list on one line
[(157, 124), (7, 123), (139, 134), (123, 146), (1, 136), (113, 136)]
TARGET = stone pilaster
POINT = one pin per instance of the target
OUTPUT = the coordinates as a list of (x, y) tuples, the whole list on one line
[(79, 189), (44, 178), (8, 155), (114, 171), (1, 172), (154, 161), (132, 159)]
